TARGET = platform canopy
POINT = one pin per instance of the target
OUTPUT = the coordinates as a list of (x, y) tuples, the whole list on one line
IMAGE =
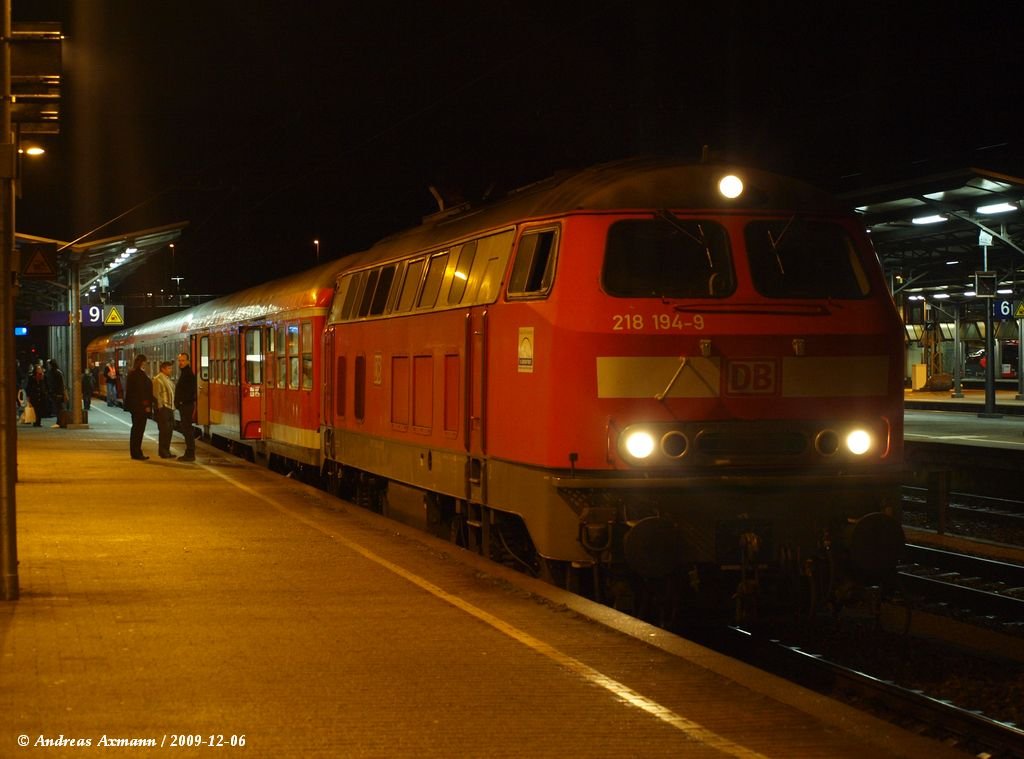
[(103, 264), (932, 233)]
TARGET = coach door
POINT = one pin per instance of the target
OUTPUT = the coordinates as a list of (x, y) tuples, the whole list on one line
[(251, 384), (201, 368)]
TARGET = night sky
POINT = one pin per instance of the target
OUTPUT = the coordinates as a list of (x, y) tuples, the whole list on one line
[(266, 125)]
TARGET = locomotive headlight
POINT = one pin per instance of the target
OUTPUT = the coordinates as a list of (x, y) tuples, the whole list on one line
[(639, 444), (731, 186), (858, 442)]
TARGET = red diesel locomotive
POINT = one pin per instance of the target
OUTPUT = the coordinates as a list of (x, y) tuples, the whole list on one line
[(645, 378)]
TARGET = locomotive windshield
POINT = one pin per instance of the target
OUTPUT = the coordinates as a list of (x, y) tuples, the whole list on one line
[(798, 258), (667, 257)]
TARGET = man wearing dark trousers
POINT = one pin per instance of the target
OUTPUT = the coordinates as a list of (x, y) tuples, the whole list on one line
[(138, 401), (185, 402)]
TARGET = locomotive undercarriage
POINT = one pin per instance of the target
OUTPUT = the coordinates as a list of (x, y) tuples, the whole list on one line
[(755, 544), (740, 544)]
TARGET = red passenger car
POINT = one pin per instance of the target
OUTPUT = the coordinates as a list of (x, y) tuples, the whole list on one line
[(256, 355)]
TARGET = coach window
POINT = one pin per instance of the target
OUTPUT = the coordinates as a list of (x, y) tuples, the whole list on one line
[(217, 358), (461, 275), (271, 349), (534, 268), (282, 357), (232, 339), (307, 356), (204, 358), (253, 357), (293, 356), (435, 274), (224, 351), (410, 284)]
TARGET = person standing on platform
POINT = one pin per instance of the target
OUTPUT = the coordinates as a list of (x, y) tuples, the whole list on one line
[(185, 402), (163, 395), (111, 375), (57, 389), (35, 391), (86, 389), (138, 400)]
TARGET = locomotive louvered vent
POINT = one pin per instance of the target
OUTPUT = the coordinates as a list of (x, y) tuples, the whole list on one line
[(737, 443)]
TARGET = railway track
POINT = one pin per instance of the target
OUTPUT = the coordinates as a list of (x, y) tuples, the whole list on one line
[(965, 586), (1004, 512), (965, 728), (956, 692)]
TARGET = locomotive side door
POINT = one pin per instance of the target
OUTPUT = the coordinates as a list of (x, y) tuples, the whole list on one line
[(250, 405), (201, 368), (476, 402)]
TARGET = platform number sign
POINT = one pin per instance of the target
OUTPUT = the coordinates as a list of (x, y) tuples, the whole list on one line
[(1002, 310), (107, 315)]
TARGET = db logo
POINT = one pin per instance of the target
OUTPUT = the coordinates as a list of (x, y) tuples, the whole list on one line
[(751, 377)]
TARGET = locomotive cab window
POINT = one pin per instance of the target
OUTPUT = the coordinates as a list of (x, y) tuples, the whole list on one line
[(800, 258), (534, 267), (667, 257)]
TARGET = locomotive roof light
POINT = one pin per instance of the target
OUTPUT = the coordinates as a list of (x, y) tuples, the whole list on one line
[(639, 444), (858, 442), (731, 186)]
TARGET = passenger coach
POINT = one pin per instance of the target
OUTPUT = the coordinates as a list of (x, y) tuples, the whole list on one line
[(256, 356)]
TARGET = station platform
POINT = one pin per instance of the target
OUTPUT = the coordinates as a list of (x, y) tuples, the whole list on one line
[(173, 605), (936, 417), (972, 401)]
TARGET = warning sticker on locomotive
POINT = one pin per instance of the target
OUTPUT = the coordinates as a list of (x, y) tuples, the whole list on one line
[(526, 349)]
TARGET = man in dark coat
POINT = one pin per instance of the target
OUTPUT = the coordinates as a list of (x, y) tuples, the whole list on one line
[(57, 388), (138, 401), (38, 396), (185, 402)]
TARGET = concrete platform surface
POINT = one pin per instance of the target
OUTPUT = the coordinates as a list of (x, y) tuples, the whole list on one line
[(166, 603)]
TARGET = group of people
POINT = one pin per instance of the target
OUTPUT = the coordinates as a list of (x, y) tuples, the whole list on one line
[(160, 396), (46, 391)]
